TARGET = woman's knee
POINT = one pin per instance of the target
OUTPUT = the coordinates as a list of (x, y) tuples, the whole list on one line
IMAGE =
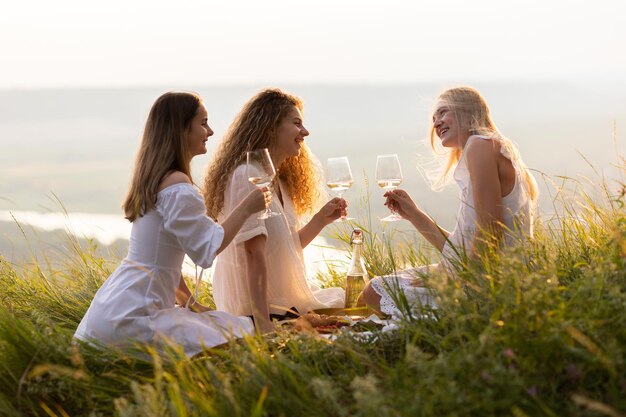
[(369, 297)]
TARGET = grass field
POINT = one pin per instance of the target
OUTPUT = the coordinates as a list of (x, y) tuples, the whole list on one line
[(535, 330)]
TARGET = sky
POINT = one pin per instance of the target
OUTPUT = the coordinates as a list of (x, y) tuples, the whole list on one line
[(123, 43)]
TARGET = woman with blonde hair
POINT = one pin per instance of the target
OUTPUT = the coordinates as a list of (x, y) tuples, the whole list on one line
[(137, 302), (498, 195), (263, 272)]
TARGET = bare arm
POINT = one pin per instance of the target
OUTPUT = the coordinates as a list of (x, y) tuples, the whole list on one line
[(482, 163), (331, 211), (400, 202), (254, 202), (256, 271), (182, 292), (183, 295)]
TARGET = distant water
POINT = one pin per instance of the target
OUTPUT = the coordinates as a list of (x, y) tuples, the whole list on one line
[(105, 228), (108, 229), (73, 150)]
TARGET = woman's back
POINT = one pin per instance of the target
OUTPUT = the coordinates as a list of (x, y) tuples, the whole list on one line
[(518, 205)]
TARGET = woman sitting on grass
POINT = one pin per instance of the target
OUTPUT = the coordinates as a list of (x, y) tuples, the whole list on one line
[(498, 196), (137, 302), (263, 272)]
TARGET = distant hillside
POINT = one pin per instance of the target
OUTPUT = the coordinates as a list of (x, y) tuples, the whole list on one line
[(35, 244)]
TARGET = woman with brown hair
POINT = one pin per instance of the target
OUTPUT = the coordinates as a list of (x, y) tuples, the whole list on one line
[(263, 272), (137, 302), (498, 195)]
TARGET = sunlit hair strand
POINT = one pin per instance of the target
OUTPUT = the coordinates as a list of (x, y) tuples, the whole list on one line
[(474, 118)]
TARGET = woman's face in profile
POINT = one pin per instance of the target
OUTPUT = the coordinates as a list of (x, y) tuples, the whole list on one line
[(198, 132), (290, 135), (447, 127)]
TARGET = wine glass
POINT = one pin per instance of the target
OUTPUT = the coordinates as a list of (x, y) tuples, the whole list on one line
[(339, 178), (261, 172), (388, 177)]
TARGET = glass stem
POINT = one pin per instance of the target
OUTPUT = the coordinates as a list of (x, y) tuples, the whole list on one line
[(342, 217)]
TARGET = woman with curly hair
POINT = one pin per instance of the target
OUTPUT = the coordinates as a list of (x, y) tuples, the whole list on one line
[(262, 274)]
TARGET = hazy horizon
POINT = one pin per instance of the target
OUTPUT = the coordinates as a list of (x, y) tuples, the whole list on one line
[(79, 141), (78, 146)]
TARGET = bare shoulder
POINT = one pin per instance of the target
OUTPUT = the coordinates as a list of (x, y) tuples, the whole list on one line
[(479, 148), (174, 177), (481, 156)]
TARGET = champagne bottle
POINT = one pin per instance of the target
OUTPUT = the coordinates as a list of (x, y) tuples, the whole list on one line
[(357, 274)]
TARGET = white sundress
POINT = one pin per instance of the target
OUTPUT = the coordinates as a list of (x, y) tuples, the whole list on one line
[(137, 302), (518, 221), (287, 283)]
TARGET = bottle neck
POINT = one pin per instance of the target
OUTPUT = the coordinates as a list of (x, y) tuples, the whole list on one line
[(356, 264)]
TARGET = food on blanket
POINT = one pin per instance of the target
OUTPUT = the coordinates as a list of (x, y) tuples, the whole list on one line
[(320, 323), (331, 328), (322, 320), (366, 326), (329, 324)]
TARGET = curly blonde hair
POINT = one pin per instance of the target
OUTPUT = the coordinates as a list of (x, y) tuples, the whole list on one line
[(473, 116), (255, 127)]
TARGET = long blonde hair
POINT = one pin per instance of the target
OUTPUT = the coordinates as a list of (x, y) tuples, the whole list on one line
[(474, 117), (163, 149), (255, 127)]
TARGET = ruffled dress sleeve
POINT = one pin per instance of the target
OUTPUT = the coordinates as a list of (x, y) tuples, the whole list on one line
[(184, 216), (236, 190)]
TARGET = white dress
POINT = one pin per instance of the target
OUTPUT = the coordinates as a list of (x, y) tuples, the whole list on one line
[(286, 273), (518, 221), (137, 302)]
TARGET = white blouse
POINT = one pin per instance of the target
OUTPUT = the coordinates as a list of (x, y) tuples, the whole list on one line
[(137, 302), (286, 274)]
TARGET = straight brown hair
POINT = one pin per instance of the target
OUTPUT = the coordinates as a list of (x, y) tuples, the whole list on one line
[(163, 149)]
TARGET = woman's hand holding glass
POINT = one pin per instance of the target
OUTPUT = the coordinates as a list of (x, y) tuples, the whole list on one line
[(389, 177), (400, 202), (338, 179), (261, 172), (258, 199), (335, 210)]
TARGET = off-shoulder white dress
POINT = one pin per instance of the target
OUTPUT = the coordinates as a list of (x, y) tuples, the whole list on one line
[(287, 282), (518, 221), (137, 302)]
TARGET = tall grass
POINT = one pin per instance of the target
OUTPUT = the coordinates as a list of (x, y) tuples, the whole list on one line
[(534, 330)]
